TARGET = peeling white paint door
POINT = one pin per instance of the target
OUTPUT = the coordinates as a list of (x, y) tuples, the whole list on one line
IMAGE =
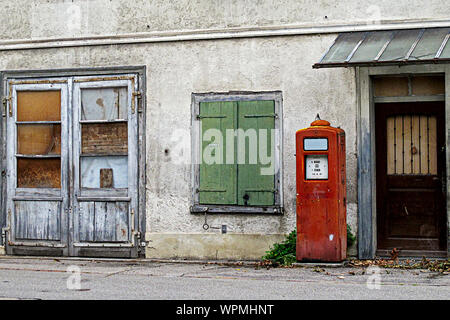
[(72, 175), (37, 167), (105, 167)]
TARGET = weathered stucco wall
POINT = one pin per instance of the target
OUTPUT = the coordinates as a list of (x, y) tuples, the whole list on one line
[(60, 18), (175, 70), (247, 65)]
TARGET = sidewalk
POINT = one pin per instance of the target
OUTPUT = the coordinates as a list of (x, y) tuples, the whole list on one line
[(48, 278)]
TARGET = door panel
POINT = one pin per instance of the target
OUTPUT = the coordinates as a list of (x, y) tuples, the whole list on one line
[(38, 220), (410, 146), (104, 222)]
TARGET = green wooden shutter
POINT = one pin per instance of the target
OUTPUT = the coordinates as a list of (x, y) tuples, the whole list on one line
[(259, 188), (218, 183)]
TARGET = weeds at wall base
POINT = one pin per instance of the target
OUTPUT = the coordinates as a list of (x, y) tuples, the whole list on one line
[(284, 255)]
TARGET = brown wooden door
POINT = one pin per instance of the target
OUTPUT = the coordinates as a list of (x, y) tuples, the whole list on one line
[(410, 151)]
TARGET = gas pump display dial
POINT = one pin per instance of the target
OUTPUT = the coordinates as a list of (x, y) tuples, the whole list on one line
[(316, 167)]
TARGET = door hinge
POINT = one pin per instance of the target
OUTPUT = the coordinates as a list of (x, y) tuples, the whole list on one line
[(5, 101), (138, 95)]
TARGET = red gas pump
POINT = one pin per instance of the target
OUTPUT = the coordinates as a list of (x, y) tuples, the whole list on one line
[(321, 193)]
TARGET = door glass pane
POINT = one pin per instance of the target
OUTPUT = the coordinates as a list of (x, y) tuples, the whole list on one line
[(426, 85), (390, 86), (39, 105), (39, 139), (104, 172), (104, 138), (104, 103), (38, 173)]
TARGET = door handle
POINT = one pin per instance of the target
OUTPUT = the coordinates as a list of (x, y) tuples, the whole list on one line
[(406, 210)]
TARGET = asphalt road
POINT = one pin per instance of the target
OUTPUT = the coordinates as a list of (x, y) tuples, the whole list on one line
[(36, 278)]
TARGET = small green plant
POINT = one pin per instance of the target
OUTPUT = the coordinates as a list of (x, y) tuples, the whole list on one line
[(350, 237), (283, 253)]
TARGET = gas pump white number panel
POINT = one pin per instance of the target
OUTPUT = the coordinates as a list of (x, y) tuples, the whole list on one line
[(316, 167)]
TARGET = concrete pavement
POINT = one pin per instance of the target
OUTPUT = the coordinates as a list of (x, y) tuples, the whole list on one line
[(47, 278)]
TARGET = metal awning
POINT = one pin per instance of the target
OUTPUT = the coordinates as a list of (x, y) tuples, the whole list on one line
[(393, 47)]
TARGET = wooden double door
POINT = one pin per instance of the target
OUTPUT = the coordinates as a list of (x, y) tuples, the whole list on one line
[(411, 176), (72, 166)]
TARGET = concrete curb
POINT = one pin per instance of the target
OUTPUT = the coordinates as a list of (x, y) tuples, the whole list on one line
[(246, 263)]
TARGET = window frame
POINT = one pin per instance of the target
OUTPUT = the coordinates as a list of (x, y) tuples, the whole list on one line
[(198, 98)]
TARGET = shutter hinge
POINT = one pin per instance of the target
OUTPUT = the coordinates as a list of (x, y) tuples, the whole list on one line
[(199, 117), (5, 101), (269, 115)]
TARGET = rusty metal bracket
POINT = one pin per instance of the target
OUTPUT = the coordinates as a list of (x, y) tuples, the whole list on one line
[(6, 101), (135, 94)]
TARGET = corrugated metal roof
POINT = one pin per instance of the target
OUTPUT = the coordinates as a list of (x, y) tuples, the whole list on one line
[(409, 46)]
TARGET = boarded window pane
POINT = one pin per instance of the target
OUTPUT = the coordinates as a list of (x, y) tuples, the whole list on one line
[(390, 86), (37, 139), (104, 138), (38, 173), (39, 105), (411, 145), (104, 103), (428, 85), (91, 167)]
